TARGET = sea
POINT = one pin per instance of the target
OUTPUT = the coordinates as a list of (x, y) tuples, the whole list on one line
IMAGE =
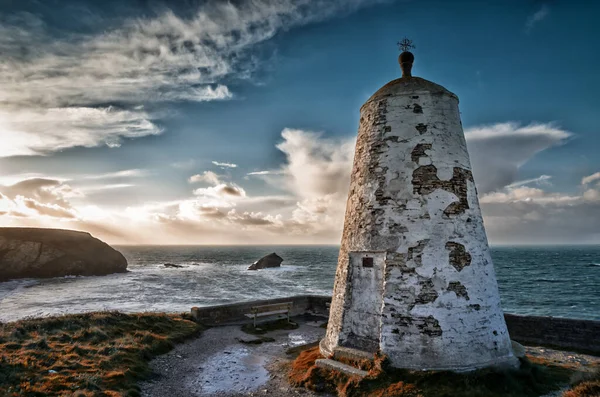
[(559, 281)]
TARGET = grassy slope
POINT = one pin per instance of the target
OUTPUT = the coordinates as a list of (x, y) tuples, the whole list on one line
[(93, 354)]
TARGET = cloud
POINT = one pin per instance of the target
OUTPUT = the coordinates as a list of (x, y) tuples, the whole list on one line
[(131, 173), (206, 176), (38, 197), (540, 180), (314, 179), (27, 131), (101, 188), (527, 194), (315, 166), (536, 17), (224, 165), (57, 86), (590, 178), (52, 210), (265, 172), (497, 151), (542, 217), (221, 190), (521, 214)]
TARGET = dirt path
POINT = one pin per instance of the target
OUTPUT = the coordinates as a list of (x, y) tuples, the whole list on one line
[(217, 364)]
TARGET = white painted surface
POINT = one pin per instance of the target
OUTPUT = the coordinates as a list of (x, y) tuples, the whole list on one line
[(364, 321), (440, 311)]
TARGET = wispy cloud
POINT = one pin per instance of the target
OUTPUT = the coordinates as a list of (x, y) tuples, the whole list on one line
[(57, 90), (224, 165), (540, 180), (590, 178), (101, 188), (536, 17), (498, 150), (39, 131), (131, 173), (265, 172)]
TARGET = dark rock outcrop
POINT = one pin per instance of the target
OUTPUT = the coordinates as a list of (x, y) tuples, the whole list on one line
[(34, 252), (271, 260), (172, 265)]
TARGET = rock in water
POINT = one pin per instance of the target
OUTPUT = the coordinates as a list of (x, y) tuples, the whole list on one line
[(271, 260), (34, 252), (172, 265)]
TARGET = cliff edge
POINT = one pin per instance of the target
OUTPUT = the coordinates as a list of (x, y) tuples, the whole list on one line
[(35, 252)]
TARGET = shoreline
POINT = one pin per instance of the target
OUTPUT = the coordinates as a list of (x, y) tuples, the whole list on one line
[(579, 335)]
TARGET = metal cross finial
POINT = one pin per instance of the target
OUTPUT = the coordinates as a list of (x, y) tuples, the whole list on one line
[(405, 44)]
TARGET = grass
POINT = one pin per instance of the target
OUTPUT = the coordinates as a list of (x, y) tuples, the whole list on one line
[(92, 354), (532, 379), (587, 386)]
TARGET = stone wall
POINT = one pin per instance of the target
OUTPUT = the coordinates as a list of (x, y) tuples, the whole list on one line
[(562, 333), (235, 313)]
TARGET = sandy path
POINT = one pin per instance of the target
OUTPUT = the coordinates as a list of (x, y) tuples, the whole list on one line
[(216, 364)]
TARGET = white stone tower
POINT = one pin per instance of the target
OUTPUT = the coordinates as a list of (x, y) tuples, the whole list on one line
[(415, 279)]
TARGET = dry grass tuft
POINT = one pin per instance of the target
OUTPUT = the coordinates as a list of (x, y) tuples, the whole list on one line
[(587, 386), (88, 354), (398, 389)]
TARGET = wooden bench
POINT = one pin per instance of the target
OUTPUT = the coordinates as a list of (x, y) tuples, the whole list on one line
[(270, 310)]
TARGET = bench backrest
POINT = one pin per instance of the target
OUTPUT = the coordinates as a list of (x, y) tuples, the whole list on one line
[(271, 308)]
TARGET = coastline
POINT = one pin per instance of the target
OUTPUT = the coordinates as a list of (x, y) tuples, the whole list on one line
[(151, 354)]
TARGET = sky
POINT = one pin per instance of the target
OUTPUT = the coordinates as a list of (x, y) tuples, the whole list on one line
[(234, 122)]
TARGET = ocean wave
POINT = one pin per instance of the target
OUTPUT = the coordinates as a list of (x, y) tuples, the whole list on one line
[(15, 286), (594, 264)]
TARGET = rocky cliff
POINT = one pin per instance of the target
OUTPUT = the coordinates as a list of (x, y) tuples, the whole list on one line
[(33, 252)]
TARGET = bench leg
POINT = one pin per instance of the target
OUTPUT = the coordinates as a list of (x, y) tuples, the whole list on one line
[(254, 320), (288, 314)]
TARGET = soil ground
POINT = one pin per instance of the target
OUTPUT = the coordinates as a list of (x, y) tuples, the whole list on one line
[(220, 364)]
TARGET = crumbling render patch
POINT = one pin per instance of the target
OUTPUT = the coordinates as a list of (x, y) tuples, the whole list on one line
[(419, 151), (422, 128), (458, 289), (426, 325), (426, 181), (459, 257), (417, 108), (397, 228), (427, 294), (397, 260), (415, 253)]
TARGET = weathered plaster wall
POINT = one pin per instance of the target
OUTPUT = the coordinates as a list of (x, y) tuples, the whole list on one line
[(363, 320), (412, 196)]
